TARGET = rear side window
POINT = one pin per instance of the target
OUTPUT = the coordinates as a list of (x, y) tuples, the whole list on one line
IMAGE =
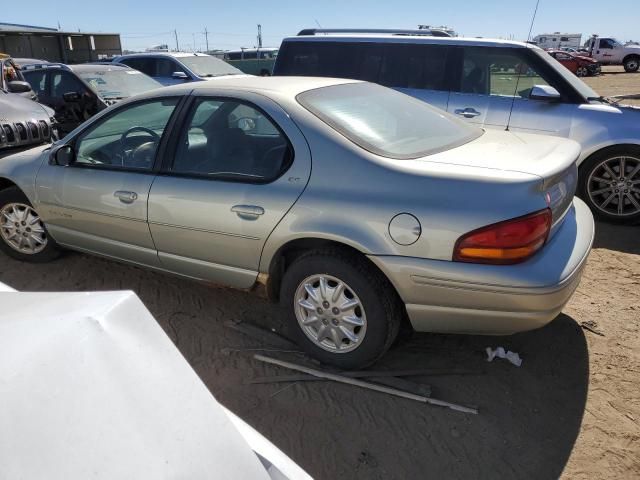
[(396, 65), (230, 140), (387, 122)]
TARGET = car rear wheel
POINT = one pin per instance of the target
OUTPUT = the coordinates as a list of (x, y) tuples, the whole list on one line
[(582, 72), (632, 64), (23, 235), (341, 310), (610, 184)]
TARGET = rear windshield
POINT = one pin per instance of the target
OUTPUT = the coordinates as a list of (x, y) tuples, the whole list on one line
[(387, 122)]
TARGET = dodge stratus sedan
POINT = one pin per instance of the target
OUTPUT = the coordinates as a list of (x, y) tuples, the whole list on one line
[(358, 207)]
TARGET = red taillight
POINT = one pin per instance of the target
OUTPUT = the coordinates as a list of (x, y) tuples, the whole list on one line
[(508, 242)]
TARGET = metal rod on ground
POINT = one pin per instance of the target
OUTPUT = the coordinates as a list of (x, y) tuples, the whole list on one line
[(360, 383), (361, 374)]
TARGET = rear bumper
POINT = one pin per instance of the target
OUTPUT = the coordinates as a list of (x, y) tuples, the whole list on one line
[(453, 297)]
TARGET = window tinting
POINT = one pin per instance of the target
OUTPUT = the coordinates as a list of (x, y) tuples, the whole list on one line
[(166, 67), (144, 65), (397, 65), (127, 139), (231, 140), (387, 122), (63, 82), (37, 80)]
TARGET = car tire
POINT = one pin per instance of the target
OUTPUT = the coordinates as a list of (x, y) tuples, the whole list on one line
[(632, 64), (602, 186), (23, 235), (373, 321), (582, 72)]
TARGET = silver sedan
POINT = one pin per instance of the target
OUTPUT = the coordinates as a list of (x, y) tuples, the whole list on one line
[(359, 208)]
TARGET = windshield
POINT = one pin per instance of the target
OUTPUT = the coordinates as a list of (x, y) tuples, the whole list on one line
[(575, 82), (118, 83), (209, 66), (387, 122)]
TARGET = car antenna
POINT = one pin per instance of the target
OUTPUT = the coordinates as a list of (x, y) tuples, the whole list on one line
[(513, 100)]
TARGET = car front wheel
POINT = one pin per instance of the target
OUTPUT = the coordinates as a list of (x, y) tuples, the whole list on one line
[(23, 235), (341, 310), (582, 72), (610, 184)]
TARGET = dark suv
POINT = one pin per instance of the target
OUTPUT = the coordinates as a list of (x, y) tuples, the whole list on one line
[(77, 92)]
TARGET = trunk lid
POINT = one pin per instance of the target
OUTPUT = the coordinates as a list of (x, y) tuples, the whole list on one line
[(553, 159)]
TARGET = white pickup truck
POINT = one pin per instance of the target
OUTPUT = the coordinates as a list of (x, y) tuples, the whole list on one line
[(609, 51)]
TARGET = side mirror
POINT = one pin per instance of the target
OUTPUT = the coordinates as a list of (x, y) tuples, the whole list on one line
[(544, 92), (180, 75), (71, 97), (18, 86), (64, 156)]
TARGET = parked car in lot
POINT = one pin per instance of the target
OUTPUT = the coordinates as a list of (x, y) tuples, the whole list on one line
[(24, 123), (408, 212), (579, 65), (173, 68), (494, 84), (77, 92)]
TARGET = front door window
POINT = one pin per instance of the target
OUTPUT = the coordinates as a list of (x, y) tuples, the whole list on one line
[(127, 139)]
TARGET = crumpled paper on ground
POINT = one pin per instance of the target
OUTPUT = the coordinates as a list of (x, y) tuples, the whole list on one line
[(499, 352)]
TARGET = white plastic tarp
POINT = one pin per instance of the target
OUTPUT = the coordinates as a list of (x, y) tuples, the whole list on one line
[(91, 387)]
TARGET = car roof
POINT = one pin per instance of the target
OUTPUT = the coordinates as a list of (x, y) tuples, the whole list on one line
[(396, 38), (290, 86), (165, 54), (93, 67)]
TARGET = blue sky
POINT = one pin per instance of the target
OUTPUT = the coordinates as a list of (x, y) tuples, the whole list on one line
[(232, 24)]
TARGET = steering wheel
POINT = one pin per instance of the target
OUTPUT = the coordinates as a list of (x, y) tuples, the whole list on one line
[(123, 139)]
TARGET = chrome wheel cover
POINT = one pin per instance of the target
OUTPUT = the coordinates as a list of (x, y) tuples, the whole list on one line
[(632, 65), (22, 229), (614, 186), (330, 313)]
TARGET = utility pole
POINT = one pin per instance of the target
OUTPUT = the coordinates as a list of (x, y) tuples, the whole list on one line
[(206, 37), (175, 32), (259, 36)]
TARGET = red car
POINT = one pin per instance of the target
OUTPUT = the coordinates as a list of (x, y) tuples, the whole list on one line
[(580, 65)]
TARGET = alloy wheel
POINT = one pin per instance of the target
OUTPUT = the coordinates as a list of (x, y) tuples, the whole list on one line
[(22, 229), (614, 186), (330, 313), (582, 72)]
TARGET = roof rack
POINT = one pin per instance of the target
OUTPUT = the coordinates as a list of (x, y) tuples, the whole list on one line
[(36, 66), (422, 32)]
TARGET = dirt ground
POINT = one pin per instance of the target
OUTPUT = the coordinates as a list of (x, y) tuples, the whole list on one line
[(572, 409)]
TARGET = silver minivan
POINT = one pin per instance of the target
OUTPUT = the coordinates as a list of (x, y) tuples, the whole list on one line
[(494, 84)]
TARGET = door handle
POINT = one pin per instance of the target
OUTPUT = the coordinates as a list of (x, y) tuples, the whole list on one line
[(467, 112), (248, 212), (126, 197)]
